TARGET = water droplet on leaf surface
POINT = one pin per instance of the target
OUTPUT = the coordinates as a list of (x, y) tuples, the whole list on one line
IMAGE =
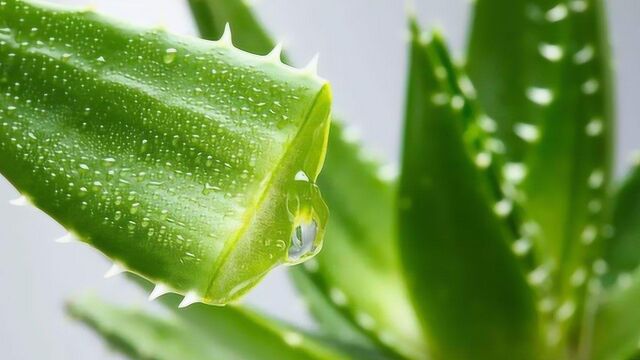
[(169, 55)]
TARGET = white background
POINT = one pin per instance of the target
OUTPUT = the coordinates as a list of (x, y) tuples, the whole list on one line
[(362, 47)]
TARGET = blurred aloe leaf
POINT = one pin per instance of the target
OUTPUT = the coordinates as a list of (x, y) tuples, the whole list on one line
[(196, 333), (616, 329), (617, 324), (543, 73), (331, 320), (358, 268), (461, 271), (621, 253), (186, 161)]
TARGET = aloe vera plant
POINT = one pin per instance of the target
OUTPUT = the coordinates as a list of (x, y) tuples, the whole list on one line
[(193, 164)]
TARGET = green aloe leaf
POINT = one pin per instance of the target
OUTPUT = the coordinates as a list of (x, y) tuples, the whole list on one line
[(330, 319), (543, 74), (358, 269), (196, 333), (621, 253), (186, 161), (617, 324), (456, 249), (616, 328)]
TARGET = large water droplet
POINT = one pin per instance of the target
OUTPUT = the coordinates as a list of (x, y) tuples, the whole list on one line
[(308, 214), (302, 240)]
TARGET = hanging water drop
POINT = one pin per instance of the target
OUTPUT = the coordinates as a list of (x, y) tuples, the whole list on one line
[(302, 240), (308, 213)]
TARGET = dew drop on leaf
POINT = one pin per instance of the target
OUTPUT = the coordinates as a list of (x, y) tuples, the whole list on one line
[(169, 55)]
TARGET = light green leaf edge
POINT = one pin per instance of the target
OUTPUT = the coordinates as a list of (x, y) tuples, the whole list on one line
[(616, 329)]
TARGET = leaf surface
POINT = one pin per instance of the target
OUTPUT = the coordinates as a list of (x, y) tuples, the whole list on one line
[(468, 286), (186, 161)]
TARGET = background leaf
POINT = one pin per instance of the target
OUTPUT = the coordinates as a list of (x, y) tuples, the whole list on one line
[(196, 333), (462, 278), (616, 328), (186, 161), (622, 249), (543, 73)]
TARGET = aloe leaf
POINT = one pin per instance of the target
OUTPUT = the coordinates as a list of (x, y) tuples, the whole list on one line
[(358, 268), (616, 327), (617, 324), (181, 335), (559, 118), (543, 73), (621, 251), (461, 277), (186, 161), (330, 319), (141, 335)]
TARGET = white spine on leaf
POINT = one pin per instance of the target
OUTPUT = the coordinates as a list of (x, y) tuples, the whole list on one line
[(312, 66), (158, 291), (275, 54), (226, 39), (21, 201), (190, 298), (114, 270)]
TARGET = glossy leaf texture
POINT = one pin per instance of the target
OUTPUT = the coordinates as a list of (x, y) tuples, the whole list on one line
[(189, 162), (357, 272), (196, 333), (543, 73), (469, 288)]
